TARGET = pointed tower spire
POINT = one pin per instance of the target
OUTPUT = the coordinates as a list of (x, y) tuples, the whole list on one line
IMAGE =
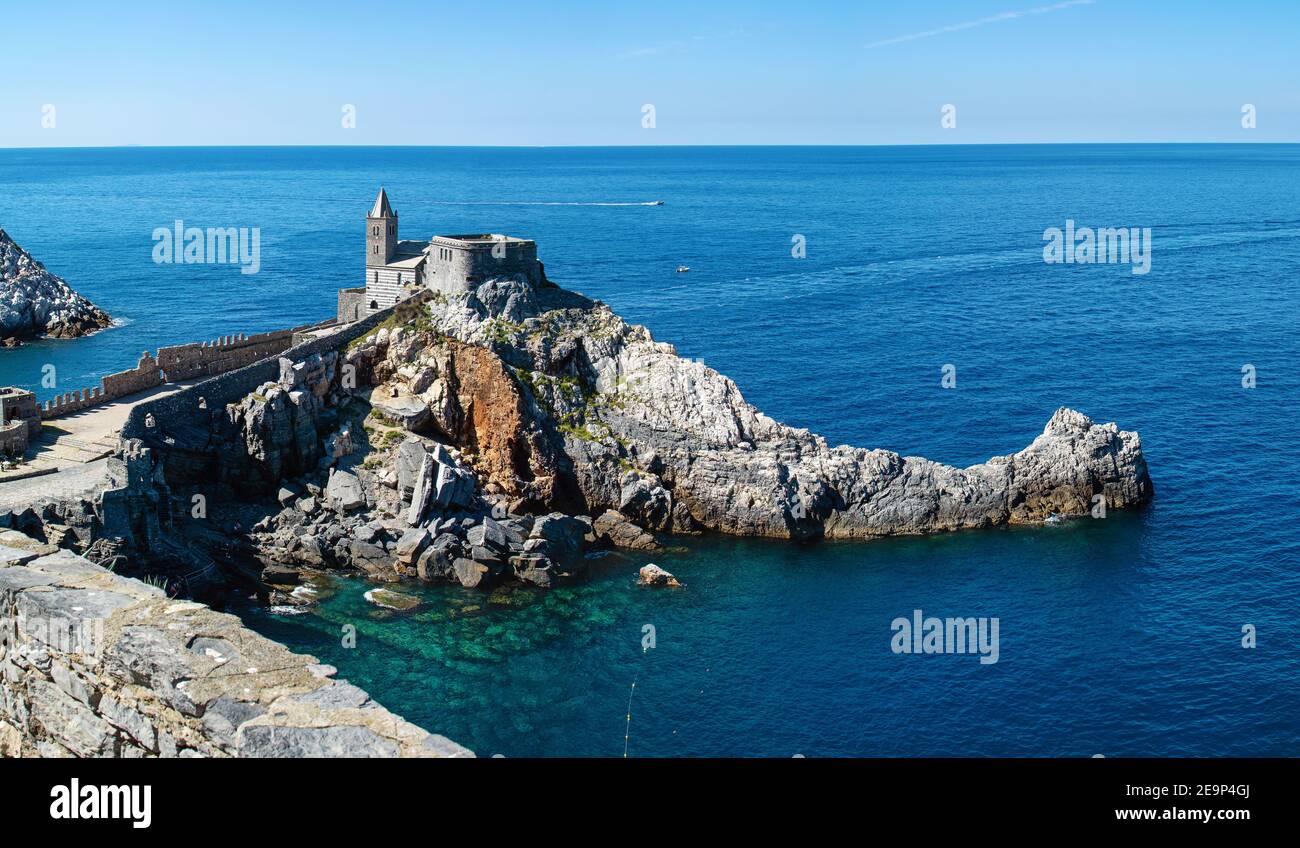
[(382, 209), (381, 231)]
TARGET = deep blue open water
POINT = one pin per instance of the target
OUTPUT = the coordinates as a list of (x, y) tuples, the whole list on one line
[(1119, 636)]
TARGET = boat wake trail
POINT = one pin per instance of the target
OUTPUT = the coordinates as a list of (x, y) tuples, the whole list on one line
[(537, 203)]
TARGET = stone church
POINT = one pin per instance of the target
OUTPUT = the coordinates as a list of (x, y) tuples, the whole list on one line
[(396, 269)]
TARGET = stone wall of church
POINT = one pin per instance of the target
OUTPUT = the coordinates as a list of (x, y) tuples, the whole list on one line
[(464, 268), (353, 305), (386, 286)]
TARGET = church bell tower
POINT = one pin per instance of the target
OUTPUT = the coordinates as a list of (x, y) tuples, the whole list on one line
[(381, 232)]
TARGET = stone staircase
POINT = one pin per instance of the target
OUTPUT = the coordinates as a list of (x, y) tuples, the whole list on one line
[(53, 451), (74, 449)]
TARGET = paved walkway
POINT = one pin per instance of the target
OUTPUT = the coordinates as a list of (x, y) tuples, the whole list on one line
[(78, 481), (68, 443)]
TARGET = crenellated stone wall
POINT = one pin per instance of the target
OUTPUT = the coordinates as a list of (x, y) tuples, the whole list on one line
[(207, 359), (180, 407), (173, 364), (93, 664), (112, 386)]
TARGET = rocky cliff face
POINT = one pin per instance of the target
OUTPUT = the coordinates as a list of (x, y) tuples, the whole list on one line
[(600, 415), (320, 469), (34, 302), (497, 435), (372, 496)]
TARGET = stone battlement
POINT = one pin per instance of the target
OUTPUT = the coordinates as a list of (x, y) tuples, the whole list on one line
[(173, 364), (231, 386), (207, 359)]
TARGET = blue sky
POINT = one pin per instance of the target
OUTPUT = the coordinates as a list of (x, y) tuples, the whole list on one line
[(719, 72)]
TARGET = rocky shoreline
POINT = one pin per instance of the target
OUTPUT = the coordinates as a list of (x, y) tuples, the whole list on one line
[(503, 434), (34, 302)]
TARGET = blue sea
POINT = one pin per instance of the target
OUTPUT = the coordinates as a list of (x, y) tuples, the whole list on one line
[(1119, 636)]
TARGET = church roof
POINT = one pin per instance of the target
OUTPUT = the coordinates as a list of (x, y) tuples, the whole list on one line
[(382, 209)]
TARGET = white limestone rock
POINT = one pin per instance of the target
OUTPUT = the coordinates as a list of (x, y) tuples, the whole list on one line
[(34, 302), (618, 401), (652, 575)]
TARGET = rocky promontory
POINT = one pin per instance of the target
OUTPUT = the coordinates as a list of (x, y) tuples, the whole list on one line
[(570, 407), (500, 435), (34, 302)]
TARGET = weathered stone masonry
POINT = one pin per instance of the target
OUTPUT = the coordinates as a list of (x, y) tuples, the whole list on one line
[(97, 665), (173, 364), (395, 269), (235, 385), (20, 421)]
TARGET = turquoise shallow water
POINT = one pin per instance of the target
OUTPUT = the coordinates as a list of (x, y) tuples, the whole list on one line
[(1119, 636), (776, 648)]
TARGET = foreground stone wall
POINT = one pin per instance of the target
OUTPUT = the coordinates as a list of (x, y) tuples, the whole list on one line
[(97, 665)]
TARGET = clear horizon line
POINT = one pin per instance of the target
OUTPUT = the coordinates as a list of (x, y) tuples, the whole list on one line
[(635, 146)]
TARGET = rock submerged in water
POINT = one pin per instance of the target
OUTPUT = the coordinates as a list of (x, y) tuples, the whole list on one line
[(389, 599), (653, 575), (34, 302)]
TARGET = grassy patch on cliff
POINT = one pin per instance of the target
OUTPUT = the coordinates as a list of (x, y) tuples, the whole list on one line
[(381, 431), (578, 430), (582, 420), (413, 316), (501, 331)]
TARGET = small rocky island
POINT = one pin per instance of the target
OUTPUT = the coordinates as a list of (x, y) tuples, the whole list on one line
[(35, 302)]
